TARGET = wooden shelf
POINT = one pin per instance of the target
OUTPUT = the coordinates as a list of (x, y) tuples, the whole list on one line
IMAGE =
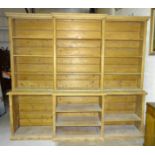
[(77, 56), (32, 37), (78, 38), (122, 73), (77, 132), (72, 120), (124, 39), (121, 131), (33, 132), (78, 73), (121, 118), (33, 73), (122, 56), (26, 55), (94, 107), (124, 91)]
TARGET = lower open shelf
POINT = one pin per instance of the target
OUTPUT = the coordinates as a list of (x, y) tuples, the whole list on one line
[(33, 132), (78, 119), (77, 132), (121, 131), (121, 117)]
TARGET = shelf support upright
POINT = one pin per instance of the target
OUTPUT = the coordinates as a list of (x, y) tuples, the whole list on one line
[(54, 54), (102, 52)]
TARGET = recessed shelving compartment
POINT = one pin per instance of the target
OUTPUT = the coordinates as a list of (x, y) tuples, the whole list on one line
[(122, 116), (123, 108), (78, 112), (30, 119), (78, 53)]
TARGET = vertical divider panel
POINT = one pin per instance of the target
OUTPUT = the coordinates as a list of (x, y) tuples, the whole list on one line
[(142, 115), (143, 53), (54, 54), (11, 51), (54, 115), (102, 53), (102, 116), (12, 125)]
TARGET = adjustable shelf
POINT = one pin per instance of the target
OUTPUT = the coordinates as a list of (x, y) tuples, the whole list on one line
[(78, 107), (33, 56), (121, 118), (32, 37), (79, 119)]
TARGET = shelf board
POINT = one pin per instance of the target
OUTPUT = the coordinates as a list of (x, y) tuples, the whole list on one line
[(123, 39), (26, 55), (71, 120), (121, 131), (77, 56), (33, 132), (32, 37), (77, 132), (121, 118), (79, 107), (33, 73), (122, 73), (67, 73), (61, 38), (124, 91), (122, 56)]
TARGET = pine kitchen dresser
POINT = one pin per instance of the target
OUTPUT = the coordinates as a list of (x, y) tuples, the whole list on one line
[(76, 76)]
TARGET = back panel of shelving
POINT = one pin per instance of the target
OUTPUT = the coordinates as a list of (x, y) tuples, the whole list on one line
[(33, 53), (123, 54), (78, 54), (33, 110)]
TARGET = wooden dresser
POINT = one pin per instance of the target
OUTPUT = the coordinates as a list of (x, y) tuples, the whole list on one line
[(150, 125)]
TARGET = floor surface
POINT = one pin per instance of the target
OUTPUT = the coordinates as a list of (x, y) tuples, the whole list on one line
[(5, 135)]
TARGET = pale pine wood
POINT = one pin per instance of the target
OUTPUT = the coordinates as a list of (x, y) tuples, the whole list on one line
[(80, 74), (121, 131), (102, 54), (54, 116), (144, 29), (54, 53)]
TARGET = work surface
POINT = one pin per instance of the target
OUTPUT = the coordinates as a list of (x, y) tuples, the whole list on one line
[(5, 135)]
